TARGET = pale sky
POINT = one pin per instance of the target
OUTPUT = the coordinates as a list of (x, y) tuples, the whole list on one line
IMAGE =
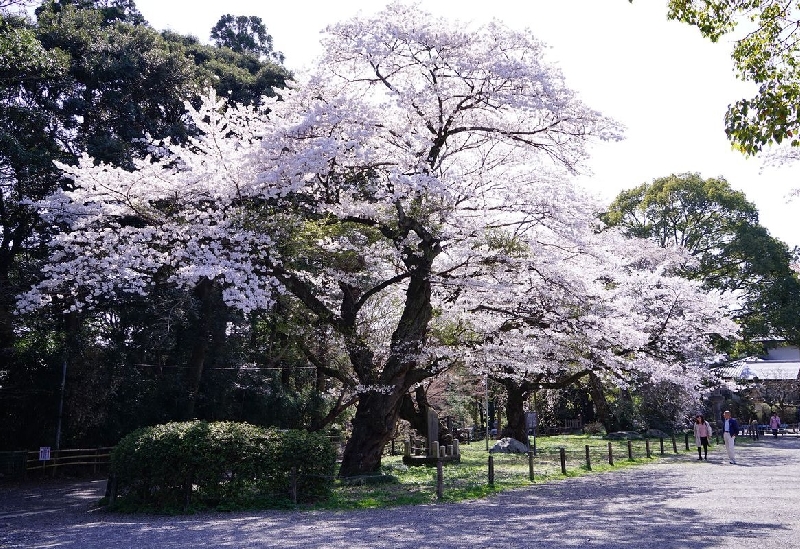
[(661, 79)]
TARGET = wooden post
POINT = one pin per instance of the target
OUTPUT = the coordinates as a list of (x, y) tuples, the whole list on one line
[(563, 452), (439, 480), (491, 470), (647, 447), (630, 449), (610, 454), (588, 459), (187, 494), (530, 466), (111, 489), (674, 444), (662, 445), (293, 487)]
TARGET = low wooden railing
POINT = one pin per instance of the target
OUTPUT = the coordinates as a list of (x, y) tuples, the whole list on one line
[(92, 460)]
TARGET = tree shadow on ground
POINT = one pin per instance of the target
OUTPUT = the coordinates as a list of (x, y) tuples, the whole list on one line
[(666, 505)]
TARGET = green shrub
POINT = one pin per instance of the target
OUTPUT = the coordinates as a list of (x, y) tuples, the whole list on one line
[(225, 465)]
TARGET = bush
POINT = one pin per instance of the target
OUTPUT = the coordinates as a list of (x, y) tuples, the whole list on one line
[(225, 465), (314, 460)]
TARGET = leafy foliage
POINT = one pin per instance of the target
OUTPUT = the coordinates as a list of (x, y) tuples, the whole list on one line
[(766, 54), (720, 228), (182, 466), (244, 34), (91, 75)]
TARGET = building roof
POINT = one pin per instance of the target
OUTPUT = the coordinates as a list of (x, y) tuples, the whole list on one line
[(779, 364), (762, 370)]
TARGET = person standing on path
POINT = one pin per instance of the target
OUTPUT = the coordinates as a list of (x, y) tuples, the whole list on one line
[(730, 428), (775, 424), (702, 432)]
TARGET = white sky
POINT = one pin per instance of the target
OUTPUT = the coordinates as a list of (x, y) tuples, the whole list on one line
[(667, 84)]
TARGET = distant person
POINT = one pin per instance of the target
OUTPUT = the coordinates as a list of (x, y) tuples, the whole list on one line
[(730, 428), (702, 432), (775, 424)]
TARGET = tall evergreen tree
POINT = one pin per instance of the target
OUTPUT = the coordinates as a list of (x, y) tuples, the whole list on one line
[(243, 34)]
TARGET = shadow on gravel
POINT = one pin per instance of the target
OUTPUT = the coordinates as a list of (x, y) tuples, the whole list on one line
[(773, 454), (668, 506)]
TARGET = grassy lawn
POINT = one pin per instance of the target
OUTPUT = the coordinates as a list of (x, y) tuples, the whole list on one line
[(469, 479)]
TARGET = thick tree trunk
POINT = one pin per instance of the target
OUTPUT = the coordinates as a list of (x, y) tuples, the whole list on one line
[(604, 415), (414, 409), (373, 426), (201, 344), (7, 307), (518, 392), (516, 426), (415, 413), (377, 411)]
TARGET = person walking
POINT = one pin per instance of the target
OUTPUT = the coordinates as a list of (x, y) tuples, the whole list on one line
[(730, 428), (702, 432), (775, 424)]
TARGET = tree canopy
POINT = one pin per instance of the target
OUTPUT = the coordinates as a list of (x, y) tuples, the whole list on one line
[(87, 76), (411, 190), (720, 228), (245, 34)]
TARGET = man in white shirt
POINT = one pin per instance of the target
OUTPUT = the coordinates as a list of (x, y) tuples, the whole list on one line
[(730, 428)]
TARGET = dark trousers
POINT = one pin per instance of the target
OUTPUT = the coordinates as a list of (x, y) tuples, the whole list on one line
[(704, 443)]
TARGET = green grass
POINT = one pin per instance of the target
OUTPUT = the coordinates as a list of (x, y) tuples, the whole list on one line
[(469, 479)]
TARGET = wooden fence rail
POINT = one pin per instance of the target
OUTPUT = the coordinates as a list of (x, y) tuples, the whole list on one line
[(72, 460)]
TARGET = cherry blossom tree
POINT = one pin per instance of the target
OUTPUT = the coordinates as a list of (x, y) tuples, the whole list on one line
[(413, 144), (170, 221), (591, 304)]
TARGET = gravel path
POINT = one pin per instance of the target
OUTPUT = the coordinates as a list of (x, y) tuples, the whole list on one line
[(674, 503)]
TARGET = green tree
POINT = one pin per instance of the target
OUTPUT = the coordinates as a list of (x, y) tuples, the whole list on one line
[(766, 54), (244, 34), (242, 78), (720, 228), (705, 216), (89, 76), (123, 11), (32, 135)]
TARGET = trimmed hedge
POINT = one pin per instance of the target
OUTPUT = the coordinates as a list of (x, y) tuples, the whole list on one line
[(223, 465)]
